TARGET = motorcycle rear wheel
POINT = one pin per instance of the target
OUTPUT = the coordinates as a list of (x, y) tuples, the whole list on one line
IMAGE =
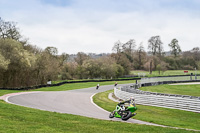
[(127, 115)]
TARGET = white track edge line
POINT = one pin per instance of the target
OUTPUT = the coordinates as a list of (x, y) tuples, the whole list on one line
[(6, 99), (91, 99)]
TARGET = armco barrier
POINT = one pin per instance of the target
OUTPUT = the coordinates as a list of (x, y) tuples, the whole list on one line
[(170, 78), (182, 102), (131, 89), (192, 105)]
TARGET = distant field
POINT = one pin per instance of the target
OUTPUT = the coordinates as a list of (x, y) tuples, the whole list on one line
[(192, 90), (166, 73)]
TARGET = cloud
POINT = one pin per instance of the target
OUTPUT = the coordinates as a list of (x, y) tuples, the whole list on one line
[(94, 26)]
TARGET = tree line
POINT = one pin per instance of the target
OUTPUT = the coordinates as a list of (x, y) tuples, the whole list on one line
[(23, 64)]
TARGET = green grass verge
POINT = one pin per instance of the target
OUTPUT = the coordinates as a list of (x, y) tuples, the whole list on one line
[(163, 116), (192, 90), (3, 92), (70, 86), (166, 73), (17, 119)]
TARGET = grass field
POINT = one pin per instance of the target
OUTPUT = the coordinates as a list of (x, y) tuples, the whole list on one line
[(166, 73), (16, 119), (163, 116), (192, 90)]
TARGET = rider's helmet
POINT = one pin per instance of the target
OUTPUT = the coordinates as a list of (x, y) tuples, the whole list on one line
[(132, 99)]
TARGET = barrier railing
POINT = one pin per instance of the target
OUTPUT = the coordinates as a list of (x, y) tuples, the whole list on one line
[(170, 78), (134, 89), (192, 105), (182, 102)]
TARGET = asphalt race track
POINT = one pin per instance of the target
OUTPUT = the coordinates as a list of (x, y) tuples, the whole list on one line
[(77, 102)]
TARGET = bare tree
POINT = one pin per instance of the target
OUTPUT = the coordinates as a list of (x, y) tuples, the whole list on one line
[(129, 46), (52, 51), (9, 30), (175, 48), (140, 56), (117, 48), (155, 45)]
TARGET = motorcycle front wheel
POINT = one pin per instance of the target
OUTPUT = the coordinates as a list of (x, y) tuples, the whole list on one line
[(111, 115)]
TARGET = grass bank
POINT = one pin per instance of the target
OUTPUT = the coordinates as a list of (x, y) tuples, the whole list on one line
[(163, 116), (192, 90), (18, 119)]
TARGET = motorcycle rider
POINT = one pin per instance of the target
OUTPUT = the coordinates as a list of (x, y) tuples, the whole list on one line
[(123, 109), (130, 101), (115, 84)]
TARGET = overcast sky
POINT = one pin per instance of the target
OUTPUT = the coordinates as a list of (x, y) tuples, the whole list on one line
[(95, 25)]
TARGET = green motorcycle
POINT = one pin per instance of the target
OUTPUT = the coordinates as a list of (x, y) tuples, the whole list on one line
[(124, 110)]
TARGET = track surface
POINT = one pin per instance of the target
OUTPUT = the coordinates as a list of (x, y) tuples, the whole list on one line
[(77, 102)]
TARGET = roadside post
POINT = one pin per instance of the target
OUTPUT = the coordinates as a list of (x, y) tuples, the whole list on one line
[(195, 73)]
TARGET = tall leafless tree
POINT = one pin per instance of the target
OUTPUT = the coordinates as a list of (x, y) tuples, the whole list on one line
[(9, 30), (175, 48), (155, 45)]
